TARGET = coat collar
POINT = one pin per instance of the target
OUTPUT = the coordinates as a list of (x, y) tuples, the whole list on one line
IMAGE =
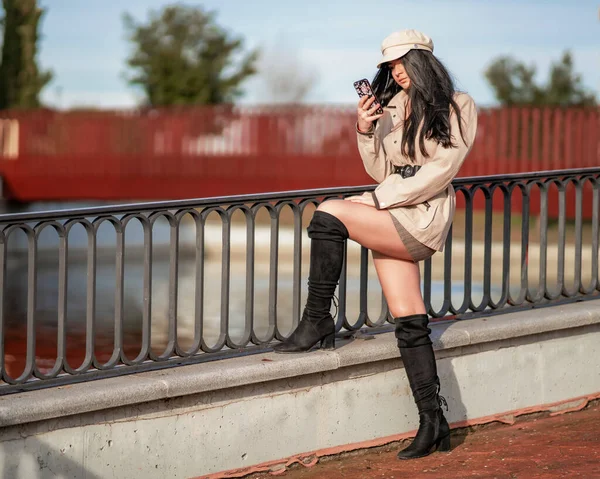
[(395, 109), (398, 100)]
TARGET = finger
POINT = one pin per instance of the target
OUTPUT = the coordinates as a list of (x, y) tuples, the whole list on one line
[(362, 101), (364, 115), (371, 118), (371, 111), (369, 102)]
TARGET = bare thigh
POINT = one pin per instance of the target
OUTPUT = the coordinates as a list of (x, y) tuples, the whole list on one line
[(369, 227), (401, 284)]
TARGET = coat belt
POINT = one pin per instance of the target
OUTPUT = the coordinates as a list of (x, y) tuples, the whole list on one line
[(406, 171)]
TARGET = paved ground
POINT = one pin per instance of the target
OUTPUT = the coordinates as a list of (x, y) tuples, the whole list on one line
[(535, 447)]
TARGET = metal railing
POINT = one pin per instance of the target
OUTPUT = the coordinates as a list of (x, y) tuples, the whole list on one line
[(521, 251)]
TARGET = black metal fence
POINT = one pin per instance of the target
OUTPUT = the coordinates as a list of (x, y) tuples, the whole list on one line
[(518, 241)]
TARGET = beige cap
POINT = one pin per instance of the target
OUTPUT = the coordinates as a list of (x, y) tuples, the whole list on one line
[(400, 43)]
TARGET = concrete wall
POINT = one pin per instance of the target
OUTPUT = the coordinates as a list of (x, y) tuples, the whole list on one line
[(269, 409)]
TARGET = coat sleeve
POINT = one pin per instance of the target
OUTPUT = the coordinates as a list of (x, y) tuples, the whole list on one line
[(373, 155), (439, 170)]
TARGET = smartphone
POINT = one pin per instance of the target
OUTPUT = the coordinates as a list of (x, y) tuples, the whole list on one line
[(363, 88)]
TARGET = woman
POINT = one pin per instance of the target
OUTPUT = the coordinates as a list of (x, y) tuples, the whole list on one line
[(413, 150)]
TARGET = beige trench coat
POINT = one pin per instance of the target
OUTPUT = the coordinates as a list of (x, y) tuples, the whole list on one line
[(423, 204)]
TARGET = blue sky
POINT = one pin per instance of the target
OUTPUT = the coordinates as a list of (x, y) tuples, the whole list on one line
[(337, 41)]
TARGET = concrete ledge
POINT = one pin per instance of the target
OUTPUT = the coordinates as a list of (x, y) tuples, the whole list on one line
[(251, 413), (32, 406)]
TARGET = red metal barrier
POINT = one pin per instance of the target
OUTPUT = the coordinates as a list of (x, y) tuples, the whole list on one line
[(207, 151)]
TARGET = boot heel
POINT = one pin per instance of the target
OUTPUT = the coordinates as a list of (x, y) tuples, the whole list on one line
[(443, 444), (328, 342)]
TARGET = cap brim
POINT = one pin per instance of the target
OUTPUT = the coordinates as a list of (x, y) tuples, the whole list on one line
[(393, 54)]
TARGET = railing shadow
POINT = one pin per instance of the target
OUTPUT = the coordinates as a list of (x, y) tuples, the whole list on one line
[(450, 389)]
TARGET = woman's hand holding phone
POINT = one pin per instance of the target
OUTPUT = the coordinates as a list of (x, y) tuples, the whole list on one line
[(367, 108)]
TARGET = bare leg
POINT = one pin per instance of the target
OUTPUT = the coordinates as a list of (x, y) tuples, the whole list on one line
[(332, 224), (398, 273), (369, 227), (401, 284)]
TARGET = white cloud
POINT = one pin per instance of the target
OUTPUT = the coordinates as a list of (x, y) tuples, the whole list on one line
[(95, 99)]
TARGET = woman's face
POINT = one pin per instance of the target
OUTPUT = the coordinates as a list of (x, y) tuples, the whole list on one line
[(399, 73)]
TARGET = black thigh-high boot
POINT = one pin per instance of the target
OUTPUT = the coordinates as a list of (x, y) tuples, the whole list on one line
[(328, 237), (419, 362)]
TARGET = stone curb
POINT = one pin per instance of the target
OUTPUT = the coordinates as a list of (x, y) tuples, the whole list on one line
[(30, 406)]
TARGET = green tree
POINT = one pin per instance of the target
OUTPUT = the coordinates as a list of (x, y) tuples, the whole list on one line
[(514, 84), (181, 57), (20, 79)]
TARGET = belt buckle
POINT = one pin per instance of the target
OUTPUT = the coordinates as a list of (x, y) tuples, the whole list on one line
[(405, 171)]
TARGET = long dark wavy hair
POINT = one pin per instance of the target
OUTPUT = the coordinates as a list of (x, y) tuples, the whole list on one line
[(431, 95)]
